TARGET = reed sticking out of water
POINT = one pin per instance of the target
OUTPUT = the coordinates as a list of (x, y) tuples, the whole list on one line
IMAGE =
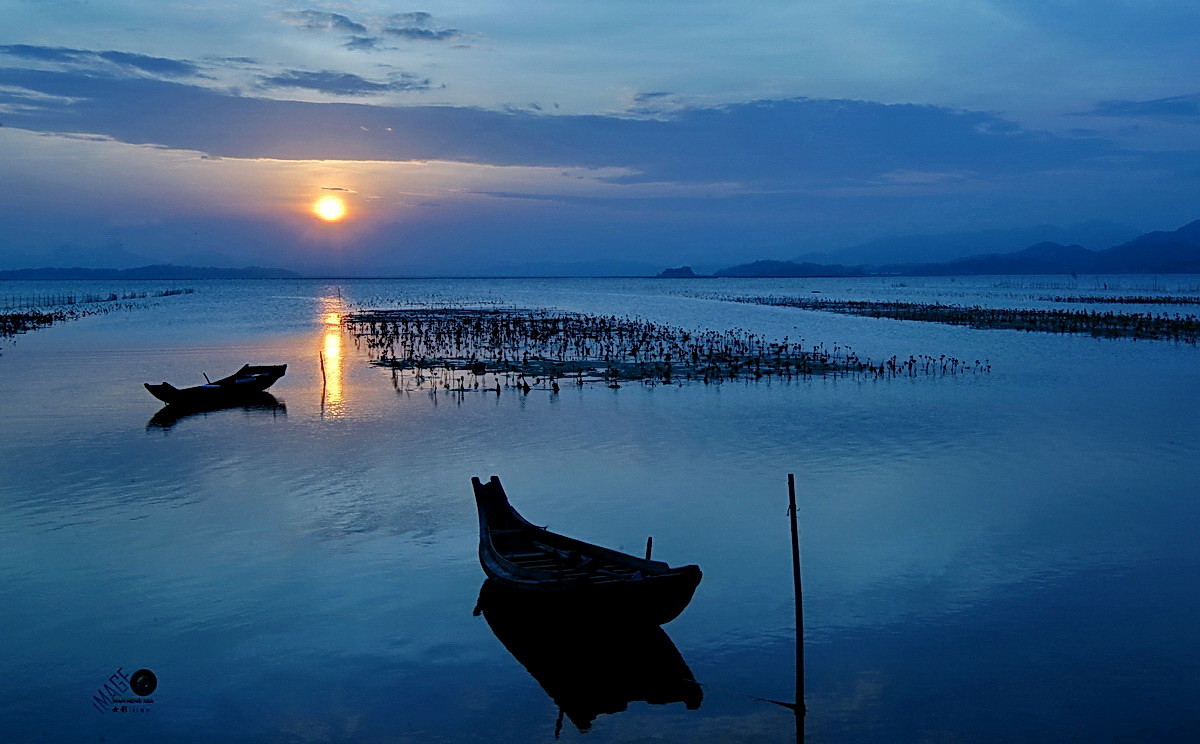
[(527, 349), (1172, 327)]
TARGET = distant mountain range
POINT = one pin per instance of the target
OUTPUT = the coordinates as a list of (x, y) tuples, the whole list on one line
[(593, 268), (160, 271), (791, 268), (939, 247), (1161, 252)]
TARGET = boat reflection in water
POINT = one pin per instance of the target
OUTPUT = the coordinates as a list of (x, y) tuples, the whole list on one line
[(588, 664), (251, 404)]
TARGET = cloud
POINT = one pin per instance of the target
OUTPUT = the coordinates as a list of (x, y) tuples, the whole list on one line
[(152, 65), (362, 43), (236, 60), (755, 158), (1173, 107), (163, 66), (414, 33), (42, 53), (319, 20), (342, 83), (418, 26), (364, 37), (15, 99), (414, 18), (654, 104)]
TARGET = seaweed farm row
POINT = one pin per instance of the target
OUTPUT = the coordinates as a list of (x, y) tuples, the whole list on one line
[(70, 299), (1129, 299), (23, 321), (487, 349), (1174, 327)]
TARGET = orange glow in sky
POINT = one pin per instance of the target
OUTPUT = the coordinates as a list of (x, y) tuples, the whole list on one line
[(330, 208)]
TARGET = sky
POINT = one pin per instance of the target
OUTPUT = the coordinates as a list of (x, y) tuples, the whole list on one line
[(470, 138)]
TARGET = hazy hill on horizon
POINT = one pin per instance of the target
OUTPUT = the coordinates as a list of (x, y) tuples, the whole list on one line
[(940, 247), (1159, 252), (1162, 251)]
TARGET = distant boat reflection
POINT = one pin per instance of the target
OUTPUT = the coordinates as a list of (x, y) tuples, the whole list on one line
[(255, 404), (588, 665)]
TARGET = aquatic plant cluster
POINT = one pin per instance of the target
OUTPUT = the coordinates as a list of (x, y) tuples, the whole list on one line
[(1174, 327), (16, 323), (12, 324), (524, 348), (70, 307)]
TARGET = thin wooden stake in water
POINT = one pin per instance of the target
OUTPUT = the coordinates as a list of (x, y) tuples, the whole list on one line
[(801, 709), (321, 354)]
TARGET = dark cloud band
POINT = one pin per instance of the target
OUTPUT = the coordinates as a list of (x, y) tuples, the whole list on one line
[(342, 83), (173, 68), (1173, 107), (319, 20)]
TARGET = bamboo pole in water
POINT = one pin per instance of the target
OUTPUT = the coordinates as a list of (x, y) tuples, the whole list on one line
[(801, 710)]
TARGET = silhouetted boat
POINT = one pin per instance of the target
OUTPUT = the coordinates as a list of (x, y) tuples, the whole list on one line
[(532, 559), (246, 381), (252, 403), (586, 664)]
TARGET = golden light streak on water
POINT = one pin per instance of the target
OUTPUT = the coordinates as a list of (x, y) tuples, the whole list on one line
[(332, 355)]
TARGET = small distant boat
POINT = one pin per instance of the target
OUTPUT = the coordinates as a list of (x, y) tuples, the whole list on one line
[(522, 556), (246, 382)]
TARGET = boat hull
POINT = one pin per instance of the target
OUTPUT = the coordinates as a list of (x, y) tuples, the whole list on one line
[(559, 571), (655, 600), (244, 384)]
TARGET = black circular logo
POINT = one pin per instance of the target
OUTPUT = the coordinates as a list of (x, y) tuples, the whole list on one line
[(143, 682)]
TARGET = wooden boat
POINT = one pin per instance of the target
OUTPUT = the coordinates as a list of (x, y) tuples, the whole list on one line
[(587, 665), (241, 384), (522, 556)]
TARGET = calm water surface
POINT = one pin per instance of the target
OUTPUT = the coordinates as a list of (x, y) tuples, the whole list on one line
[(989, 558)]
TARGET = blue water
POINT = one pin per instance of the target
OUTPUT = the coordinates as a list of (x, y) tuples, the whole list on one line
[(1000, 557)]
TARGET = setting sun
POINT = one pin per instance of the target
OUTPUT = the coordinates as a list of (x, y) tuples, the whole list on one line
[(330, 208)]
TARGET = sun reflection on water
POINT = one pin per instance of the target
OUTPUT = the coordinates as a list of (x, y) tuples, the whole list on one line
[(331, 355)]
